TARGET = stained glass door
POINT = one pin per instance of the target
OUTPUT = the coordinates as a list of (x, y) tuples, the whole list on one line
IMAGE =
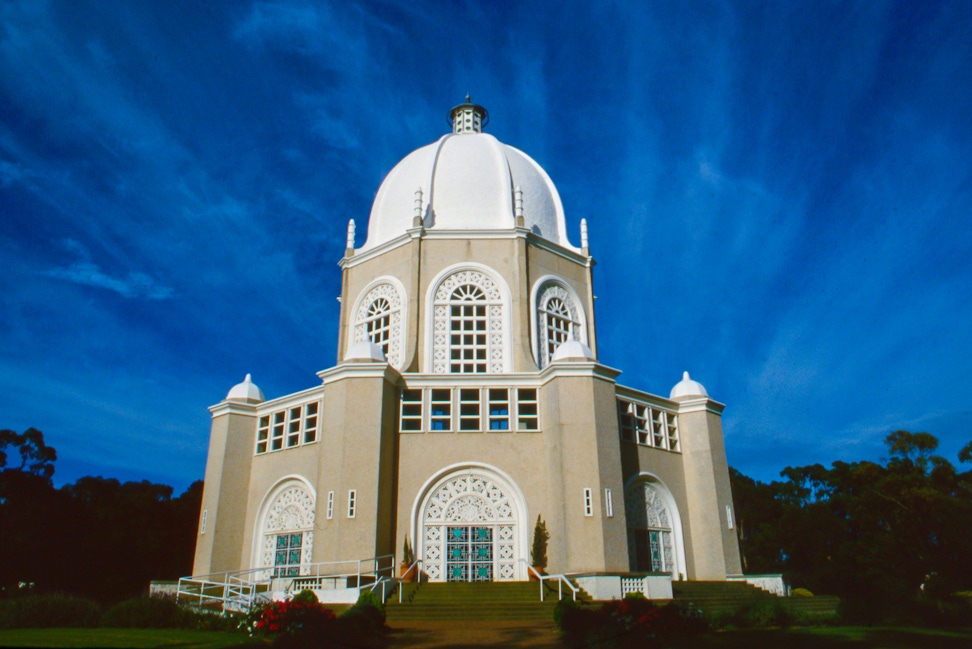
[(469, 553)]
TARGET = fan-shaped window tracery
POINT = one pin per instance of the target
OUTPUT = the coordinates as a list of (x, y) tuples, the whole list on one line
[(468, 332), (379, 319), (557, 321)]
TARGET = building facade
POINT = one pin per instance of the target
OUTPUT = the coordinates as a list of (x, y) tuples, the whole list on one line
[(468, 401)]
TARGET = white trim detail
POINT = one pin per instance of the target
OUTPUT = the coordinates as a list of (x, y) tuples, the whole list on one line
[(729, 518), (352, 503), (471, 493), (330, 505), (545, 289), (498, 315), (608, 503), (588, 501), (649, 504), (289, 506), (392, 291), (202, 524)]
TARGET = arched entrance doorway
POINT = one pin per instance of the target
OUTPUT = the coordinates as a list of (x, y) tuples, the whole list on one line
[(654, 527), (470, 523)]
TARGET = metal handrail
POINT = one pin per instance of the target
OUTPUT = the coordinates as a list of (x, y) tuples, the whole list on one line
[(402, 578), (241, 585), (561, 580)]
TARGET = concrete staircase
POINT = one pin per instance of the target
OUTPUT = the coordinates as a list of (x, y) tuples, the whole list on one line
[(723, 597), (513, 601)]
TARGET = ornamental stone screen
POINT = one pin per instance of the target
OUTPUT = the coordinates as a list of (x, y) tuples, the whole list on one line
[(470, 526), (288, 530)]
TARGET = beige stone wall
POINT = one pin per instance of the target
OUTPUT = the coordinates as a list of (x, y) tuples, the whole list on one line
[(417, 263), (225, 490)]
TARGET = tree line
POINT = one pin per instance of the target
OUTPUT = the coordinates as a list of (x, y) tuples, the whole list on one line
[(879, 534), (96, 537)]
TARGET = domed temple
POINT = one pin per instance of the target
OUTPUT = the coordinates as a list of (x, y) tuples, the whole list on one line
[(469, 400)]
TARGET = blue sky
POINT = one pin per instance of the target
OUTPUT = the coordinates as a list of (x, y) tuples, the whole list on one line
[(779, 197)]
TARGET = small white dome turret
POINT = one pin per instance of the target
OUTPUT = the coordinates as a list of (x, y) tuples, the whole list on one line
[(365, 351), (572, 350), (246, 391), (687, 388)]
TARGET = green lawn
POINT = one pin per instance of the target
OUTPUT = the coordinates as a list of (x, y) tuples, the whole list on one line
[(112, 638), (846, 637), (432, 636)]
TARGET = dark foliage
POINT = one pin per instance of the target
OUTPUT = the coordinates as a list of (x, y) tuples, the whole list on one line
[(628, 623), (148, 613), (109, 538), (538, 553), (883, 536), (48, 611)]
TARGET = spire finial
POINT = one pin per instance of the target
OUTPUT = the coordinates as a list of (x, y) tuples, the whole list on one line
[(468, 117)]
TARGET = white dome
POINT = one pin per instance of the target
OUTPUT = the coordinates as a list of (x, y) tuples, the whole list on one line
[(245, 391), (687, 388), (572, 350), (365, 350), (468, 182)]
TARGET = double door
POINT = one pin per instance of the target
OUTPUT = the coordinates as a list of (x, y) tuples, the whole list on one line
[(469, 553)]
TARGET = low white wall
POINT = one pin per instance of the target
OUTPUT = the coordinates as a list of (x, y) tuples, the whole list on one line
[(605, 587), (770, 583)]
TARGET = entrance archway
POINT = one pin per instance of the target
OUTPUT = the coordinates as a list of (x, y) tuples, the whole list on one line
[(470, 521), (654, 527), (284, 535)]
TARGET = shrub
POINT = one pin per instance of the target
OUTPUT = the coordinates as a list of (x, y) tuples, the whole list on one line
[(561, 609), (148, 613), (764, 613), (293, 617), (47, 611), (306, 596), (370, 599), (800, 592), (631, 622)]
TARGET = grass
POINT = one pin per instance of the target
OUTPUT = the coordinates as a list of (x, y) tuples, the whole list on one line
[(440, 635), (122, 638)]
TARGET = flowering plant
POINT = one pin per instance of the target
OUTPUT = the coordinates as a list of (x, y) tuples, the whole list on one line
[(292, 617)]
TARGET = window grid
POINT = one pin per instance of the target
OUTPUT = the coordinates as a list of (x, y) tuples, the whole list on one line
[(468, 349), (205, 515), (609, 503), (288, 428), (499, 409), (411, 413), (526, 409), (648, 426), (440, 417), (352, 502), (286, 560), (588, 502), (378, 323), (330, 505), (469, 409), (559, 325)]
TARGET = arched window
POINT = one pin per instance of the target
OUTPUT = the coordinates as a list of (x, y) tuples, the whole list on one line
[(557, 321), (652, 528), (468, 328), (286, 529), (379, 319)]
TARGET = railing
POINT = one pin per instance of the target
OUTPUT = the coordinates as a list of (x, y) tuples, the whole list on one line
[(237, 590), (561, 580), (401, 580)]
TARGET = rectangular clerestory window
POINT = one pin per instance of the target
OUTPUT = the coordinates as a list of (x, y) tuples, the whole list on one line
[(499, 409), (469, 409), (288, 428), (352, 503), (527, 417), (588, 502), (440, 409), (411, 415)]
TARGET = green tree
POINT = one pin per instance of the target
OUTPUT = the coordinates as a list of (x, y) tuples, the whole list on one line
[(538, 554)]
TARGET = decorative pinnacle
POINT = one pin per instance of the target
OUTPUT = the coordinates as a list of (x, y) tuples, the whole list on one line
[(468, 117), (585, 244), (350, 245)]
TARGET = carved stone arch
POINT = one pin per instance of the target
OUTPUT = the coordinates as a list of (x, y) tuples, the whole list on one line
[(655, 541), (379, 314), (288, 510), (558, 315), (469, 321), (471, 497)]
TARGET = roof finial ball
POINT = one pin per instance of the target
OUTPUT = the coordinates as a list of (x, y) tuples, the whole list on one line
[(468, 117)]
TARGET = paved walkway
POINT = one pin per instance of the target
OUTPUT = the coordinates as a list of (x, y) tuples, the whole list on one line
[(458, 635)]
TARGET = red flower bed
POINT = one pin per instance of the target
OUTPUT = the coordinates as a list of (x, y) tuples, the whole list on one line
[(292, 617)]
